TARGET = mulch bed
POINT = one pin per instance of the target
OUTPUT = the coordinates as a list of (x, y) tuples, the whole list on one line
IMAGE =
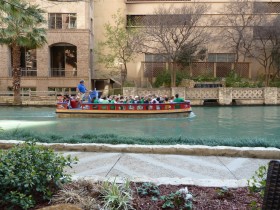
[(203, 198)]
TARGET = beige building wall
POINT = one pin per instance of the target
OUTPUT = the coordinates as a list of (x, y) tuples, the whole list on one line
[(104, 9)]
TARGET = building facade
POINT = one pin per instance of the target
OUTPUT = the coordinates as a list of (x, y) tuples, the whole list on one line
[(75, 27), (65, 59), (220, 57)]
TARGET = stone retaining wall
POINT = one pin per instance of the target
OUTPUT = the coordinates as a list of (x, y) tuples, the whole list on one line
[(198, 96), (223, 95)]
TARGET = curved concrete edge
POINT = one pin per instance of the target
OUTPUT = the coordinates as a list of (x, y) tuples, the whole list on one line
[(230, 183), (199, 150)]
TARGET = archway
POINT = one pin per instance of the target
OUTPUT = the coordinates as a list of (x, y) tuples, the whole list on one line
[(63, 57)]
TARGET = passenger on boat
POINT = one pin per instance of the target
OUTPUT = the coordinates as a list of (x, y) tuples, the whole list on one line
[(113, 100), (177, 99), (171, 99), (130, 100), (95, 100), (105, 100), (81, 90), (166, 101), (67, 100)]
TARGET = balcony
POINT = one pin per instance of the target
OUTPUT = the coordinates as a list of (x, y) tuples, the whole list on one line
[(55, 72), (25, 72)]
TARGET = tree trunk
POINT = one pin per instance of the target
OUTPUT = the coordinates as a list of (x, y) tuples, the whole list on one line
[(16, 74), (170, 69)]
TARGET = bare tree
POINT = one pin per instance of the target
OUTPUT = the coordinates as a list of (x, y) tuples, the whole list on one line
[(239, 19), (172, 28), (266, 46)]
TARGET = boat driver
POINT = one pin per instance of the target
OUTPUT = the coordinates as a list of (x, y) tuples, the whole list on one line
[(81, 89)]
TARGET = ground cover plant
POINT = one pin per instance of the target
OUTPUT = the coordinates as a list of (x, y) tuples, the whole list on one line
[(24, 135)]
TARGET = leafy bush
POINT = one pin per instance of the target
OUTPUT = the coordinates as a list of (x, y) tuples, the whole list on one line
[(275, 83), (233, 80), (30, 173), (164, 78), (205, 78), (116, 196)]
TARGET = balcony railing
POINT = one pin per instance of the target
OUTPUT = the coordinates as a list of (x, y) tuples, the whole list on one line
[(25, 72), (55, 72)]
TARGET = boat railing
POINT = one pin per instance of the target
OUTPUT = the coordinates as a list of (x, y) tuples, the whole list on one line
[(128, 107)]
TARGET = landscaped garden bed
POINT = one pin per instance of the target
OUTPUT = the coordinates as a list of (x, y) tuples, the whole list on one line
[(147, 196), (33, 177)]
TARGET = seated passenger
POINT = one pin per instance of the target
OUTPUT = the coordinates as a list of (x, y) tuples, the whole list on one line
[(177, 99), (105, 100), (95, 100)]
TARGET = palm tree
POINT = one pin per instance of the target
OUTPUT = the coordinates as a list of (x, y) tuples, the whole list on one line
[(20, 24)]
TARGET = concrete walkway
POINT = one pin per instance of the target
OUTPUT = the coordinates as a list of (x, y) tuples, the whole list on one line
[(165, 168), (174, 164)]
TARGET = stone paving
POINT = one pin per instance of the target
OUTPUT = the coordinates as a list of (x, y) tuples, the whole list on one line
[(166, 168)]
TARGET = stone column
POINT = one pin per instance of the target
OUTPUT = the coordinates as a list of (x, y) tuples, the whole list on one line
[(270, 95), (225, 96)]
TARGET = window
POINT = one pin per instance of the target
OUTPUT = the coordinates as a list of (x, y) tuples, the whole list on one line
[(155, 58), (62, 20), (221, 57), (158, 20), (267, 7), (28, 61)]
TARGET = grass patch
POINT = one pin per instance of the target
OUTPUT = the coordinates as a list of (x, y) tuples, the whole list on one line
[(118, 139)]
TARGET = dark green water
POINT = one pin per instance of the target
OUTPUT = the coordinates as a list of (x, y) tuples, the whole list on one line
[(258, 122)]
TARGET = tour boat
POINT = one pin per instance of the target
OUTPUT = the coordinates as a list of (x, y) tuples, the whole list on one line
[(125, 110)]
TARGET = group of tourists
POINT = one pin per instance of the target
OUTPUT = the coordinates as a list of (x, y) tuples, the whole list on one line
[(149, 99), (83, 95)]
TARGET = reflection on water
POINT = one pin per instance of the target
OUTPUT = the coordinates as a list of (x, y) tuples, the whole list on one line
[(210, 122)]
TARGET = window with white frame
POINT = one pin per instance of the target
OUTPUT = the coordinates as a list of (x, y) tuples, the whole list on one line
[(62, 20)]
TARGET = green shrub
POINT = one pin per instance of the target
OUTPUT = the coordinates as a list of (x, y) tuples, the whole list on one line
[(164, 78), (205, 78), (30, 173), (233, 80)]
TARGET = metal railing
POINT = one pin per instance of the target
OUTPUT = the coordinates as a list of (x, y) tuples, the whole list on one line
[(25, 72), (59, 72)]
